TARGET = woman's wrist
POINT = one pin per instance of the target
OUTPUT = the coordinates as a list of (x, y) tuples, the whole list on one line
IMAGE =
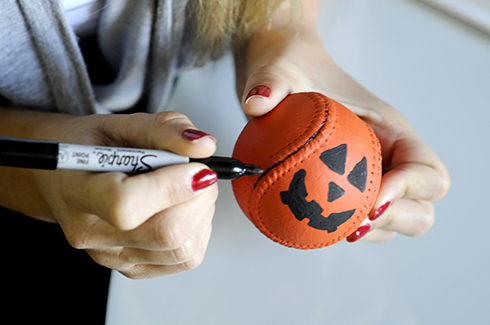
[(23, 190)]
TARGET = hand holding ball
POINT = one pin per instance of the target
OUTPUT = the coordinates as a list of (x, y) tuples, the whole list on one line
[(322, 170)]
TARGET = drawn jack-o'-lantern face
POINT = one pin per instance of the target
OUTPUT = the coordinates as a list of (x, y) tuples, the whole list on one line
[(295, 196), (322, 171)]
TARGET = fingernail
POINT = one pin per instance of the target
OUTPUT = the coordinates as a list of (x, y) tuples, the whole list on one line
[(263, 91), (192, 135), (203, 179), (359, 233), (380, 211)]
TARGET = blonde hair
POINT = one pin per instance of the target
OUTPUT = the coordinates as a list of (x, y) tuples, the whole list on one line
[(214, 26)]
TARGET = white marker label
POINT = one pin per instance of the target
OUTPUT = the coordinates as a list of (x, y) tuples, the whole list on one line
[(104, 159)]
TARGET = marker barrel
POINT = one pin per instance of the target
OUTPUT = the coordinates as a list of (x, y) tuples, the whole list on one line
[(28, 153)]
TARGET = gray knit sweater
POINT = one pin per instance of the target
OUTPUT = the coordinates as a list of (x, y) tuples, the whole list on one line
[(41, 65)]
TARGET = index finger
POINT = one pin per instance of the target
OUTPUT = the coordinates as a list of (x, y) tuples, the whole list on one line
[(416, 174)]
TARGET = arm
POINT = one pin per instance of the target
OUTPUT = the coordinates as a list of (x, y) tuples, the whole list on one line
[(277, 62)]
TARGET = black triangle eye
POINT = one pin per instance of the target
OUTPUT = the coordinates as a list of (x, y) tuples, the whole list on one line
[(358, 176), (335, 158), (334, 192)]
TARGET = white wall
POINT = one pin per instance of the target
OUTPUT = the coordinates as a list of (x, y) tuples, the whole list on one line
[(436, 71)]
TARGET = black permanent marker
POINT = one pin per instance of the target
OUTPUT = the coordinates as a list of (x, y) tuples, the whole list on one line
[(40, 154)]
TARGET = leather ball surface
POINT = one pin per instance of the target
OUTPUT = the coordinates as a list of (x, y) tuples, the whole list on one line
[(322, 171)]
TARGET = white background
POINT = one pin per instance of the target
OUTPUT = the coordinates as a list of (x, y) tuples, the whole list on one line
[(436, 71)]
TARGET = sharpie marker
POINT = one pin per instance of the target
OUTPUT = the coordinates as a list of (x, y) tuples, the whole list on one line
[(40, 154)]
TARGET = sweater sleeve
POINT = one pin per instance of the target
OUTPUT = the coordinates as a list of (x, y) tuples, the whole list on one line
[(40, 62)]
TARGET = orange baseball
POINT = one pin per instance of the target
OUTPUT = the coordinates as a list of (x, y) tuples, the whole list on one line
[(322, 171)]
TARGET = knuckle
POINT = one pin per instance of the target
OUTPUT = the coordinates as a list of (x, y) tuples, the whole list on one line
[(433, 186), (425, 222), (119, 210), (175, 192), (77, 241), (135, 272), (103, 259), (144, 271), (114, 259), (164, 117), (285, 73), (267, 72), (195, 262), (411, 218), (169, 235), (133, 276), (185, 252), (99, 259), (444, 181)]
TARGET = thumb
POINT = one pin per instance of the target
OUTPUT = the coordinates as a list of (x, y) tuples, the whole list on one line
[(169, 131), (264, 89)]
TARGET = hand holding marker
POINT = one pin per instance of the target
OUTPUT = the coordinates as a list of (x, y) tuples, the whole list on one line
[(40, 154)]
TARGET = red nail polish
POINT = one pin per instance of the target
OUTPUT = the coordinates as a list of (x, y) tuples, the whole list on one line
[(191, 135), (203, 179), (263, 91), (380, 211), (359, 233)]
